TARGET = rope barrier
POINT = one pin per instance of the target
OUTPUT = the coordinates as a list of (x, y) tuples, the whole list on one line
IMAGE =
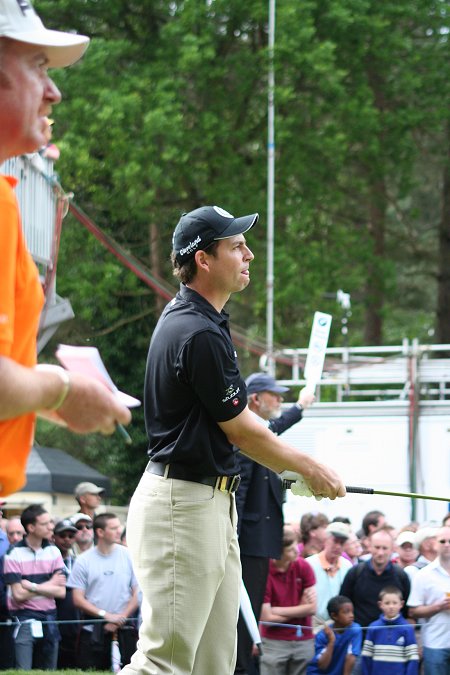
[(134, 620), (11, 622)]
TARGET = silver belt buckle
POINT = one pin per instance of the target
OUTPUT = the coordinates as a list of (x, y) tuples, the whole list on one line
[(235, 483)]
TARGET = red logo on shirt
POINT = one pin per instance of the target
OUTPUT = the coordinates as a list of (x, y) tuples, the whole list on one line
[(235, 402)]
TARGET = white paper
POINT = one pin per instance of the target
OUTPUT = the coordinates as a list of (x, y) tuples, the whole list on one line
[(116, 657), (87, 360), (36, 629)]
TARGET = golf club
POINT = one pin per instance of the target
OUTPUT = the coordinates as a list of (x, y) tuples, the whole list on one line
[(370, 491)]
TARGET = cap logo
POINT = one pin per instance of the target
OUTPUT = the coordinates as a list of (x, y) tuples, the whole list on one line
[(191, 246), (24, 5), (222, 212)]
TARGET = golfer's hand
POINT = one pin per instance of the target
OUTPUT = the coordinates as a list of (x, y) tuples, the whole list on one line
[(316, 480), (323, 481), (91, 407)]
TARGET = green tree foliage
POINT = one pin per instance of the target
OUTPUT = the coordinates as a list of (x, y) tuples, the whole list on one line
[(168, 111)]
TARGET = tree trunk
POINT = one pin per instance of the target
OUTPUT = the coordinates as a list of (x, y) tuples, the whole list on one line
[(443, 303), (373, 329)]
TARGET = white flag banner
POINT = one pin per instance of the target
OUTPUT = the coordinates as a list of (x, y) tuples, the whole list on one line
[(317, 349), (249, 617)]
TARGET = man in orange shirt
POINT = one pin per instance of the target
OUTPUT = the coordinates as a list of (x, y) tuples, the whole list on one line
[(27, 94)]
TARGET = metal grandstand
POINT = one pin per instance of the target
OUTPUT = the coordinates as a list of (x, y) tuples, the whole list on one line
[(379, 373)]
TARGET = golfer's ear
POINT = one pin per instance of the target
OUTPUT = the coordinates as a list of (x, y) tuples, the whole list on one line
[(201, 259)]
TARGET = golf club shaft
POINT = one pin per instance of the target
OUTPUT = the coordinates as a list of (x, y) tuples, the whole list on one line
[(411, 495), (370, 491)]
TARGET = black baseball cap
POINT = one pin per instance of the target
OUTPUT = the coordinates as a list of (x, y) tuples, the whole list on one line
[(65, 525), (198, 229)]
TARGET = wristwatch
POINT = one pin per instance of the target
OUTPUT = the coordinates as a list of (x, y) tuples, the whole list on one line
[(102, 613)]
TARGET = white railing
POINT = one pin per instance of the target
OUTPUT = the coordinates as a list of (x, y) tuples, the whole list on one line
[(377, 372)]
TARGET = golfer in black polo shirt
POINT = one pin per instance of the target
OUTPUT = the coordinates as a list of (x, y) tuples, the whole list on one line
[(181, 527)]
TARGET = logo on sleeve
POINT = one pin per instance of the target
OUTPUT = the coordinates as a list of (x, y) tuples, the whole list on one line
[(230, 393)]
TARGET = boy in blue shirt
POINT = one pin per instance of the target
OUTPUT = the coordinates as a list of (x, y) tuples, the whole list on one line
[(337, 645), (390, 646)]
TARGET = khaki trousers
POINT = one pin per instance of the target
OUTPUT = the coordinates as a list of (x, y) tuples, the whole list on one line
[(183, 542)]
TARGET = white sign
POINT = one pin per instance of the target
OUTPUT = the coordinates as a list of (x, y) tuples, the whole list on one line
[(317, 349)]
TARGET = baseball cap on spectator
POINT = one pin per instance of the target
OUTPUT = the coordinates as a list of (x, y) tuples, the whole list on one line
[(406, 537), (19, 21), (257, 382), (78, 517), (88, 488), (339, 530), (64, 526), (198, 229), (424, 533)]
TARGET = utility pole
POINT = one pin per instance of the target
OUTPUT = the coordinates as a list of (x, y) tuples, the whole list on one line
[(270, 191)]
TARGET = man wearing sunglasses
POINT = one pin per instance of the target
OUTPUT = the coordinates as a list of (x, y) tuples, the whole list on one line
[(64, 538), (84, 535), (430, 600)]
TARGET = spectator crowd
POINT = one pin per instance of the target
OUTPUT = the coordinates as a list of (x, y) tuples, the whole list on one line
[(375, 601), (68, 595), (335, 601)]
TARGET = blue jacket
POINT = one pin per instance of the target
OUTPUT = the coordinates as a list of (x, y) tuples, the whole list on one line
[(347, 642), (390, 647)]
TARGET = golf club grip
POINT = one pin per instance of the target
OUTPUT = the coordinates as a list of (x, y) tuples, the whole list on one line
[(360, 490)]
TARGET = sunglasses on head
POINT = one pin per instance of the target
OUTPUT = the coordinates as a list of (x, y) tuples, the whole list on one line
[(84, 526)]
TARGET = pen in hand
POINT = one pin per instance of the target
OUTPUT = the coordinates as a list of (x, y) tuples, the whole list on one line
[(124, 433)]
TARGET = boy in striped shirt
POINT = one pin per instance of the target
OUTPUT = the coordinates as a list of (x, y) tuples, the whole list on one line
[(390, 646)]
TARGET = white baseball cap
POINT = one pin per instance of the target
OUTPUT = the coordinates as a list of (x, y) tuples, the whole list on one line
[(339, 530), (406, 537), (423, 533), (80, 516), (19, 21)]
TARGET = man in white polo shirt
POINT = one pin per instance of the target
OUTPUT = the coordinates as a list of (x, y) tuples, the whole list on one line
[(430, 600)]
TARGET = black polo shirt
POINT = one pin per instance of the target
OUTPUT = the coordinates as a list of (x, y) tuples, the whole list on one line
[(192, 382), (363, 585)]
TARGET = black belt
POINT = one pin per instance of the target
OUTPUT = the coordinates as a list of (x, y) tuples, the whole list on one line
[(222, 483)]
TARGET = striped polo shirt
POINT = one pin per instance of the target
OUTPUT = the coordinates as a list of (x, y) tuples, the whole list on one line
[(23, 562)]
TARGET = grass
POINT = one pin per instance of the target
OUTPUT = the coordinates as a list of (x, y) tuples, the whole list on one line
[(55, 672)]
